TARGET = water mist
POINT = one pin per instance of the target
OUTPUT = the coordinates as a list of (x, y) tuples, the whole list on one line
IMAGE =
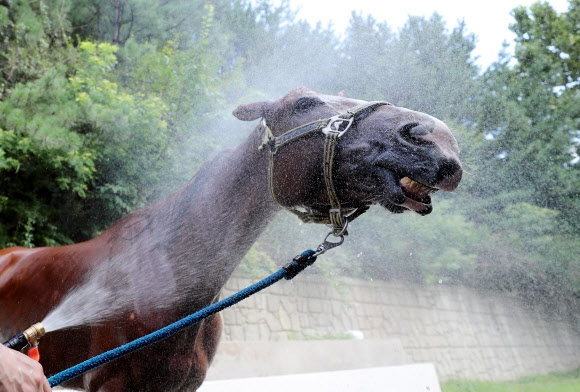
[(90, 304), (140, 281)]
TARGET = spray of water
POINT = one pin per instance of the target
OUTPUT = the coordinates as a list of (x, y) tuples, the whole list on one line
[(91, 303), (122, 284)]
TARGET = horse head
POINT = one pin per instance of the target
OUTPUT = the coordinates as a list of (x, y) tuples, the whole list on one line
[(381, 154)]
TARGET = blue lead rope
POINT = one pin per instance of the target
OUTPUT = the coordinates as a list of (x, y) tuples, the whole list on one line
[(289, 271)]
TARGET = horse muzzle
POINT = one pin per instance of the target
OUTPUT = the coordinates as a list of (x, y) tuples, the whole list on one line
[(449, 175)]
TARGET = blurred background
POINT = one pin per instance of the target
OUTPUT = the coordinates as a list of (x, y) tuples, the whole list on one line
[(107, 106)]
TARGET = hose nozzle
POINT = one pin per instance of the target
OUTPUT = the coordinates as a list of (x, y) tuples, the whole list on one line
[(29, 337), (34, 333)]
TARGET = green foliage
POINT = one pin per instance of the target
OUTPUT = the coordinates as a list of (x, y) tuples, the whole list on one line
[(31, 36), (143, 20), (384, 246), (191, 93), (107, 106), (42, 162), (257, 264), (275, 52), (529, 195), (423, 67), (127, 132), (535, 118), (326, 336), (81, 144), (27, 200), (438, 248), (555, 382)]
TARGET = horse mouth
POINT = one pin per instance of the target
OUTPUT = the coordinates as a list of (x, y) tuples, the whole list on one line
[(418, 195), (416, 191)]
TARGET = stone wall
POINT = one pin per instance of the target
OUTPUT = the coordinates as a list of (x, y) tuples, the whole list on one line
[(464, 333)]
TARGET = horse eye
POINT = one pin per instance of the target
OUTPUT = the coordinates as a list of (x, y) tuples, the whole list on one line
[(306, 103)]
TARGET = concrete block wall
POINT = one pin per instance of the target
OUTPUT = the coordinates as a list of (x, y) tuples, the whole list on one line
[(466, 334)]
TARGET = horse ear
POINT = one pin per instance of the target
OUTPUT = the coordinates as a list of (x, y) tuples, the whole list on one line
[(251, 111)]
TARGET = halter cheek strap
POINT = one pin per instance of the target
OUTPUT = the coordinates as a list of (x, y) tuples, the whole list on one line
[(333, 128)]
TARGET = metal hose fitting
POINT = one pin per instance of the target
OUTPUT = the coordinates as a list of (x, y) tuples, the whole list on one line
[(34, 333), (29, 337)]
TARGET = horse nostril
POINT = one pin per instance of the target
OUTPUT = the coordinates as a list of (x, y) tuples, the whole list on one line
[(450, 173), (413, 132)]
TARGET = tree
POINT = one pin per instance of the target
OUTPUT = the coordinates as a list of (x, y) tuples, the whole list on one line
[(85, 139), (117, 21), (423, 67), (31, 36), (41, 160), (529, 116), (56, 131), (530, 111)]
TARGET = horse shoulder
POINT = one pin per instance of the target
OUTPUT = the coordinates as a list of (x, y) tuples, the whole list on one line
[(12, 259)]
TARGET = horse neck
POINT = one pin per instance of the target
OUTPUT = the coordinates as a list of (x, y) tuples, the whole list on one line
[(214, 220)]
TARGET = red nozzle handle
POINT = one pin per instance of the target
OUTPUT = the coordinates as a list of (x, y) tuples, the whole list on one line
[(34, 353)]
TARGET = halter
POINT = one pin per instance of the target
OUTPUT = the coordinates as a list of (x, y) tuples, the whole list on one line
[(333, 128)]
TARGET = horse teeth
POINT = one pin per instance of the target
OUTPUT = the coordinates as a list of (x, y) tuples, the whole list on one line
[(416, 187)]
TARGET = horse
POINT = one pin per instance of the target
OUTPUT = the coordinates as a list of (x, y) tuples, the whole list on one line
[(326, 158)]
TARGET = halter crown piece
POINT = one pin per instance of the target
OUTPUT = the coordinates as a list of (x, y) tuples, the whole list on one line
[(333, 128)]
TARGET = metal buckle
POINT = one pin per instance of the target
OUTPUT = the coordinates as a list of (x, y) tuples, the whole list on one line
[(268, 138), (334, 124), (327, 245)]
